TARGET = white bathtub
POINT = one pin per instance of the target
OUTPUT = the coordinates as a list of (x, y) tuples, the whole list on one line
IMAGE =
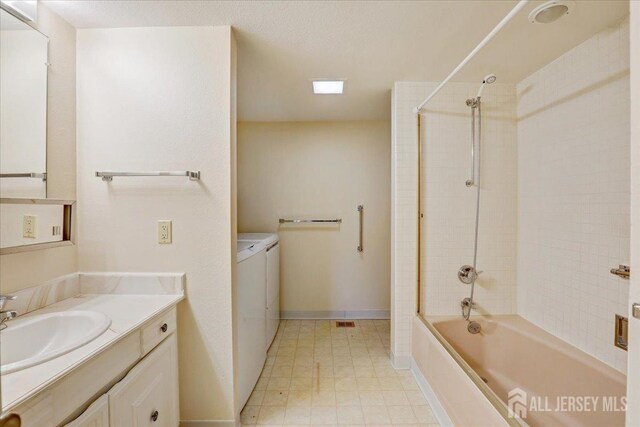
[(511, 352)]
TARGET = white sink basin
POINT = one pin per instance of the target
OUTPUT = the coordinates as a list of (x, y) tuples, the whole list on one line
[(35, 339)]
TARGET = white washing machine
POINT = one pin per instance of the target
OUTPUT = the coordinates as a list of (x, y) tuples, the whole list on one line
[(272, 274), (251, 315)]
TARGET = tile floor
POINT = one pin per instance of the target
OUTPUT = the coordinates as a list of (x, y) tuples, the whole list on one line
[(317, 374)]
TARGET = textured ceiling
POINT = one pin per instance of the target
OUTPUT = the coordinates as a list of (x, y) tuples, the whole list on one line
[(284, 44)]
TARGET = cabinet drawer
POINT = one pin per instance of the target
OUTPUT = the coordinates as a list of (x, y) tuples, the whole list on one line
[(96, 415), (148, 395), (158, 329)]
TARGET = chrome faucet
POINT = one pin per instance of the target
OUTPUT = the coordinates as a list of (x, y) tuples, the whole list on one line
[(6, 315)]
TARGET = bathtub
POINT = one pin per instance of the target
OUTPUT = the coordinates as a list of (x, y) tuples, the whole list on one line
[(510, 353)]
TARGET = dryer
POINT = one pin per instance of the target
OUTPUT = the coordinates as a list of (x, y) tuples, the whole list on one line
[(250, 315), (272, 298)]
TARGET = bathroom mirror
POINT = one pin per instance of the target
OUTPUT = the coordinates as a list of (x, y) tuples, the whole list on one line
[(29, 224), (23, 109)]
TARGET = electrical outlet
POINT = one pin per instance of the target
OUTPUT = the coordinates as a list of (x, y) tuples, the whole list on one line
[(29, 226), (164, 232)]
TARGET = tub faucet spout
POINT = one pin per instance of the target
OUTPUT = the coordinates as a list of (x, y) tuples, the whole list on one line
[(467, 305)]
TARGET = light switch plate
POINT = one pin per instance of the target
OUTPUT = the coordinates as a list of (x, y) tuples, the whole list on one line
[(29, 226), (164, 232)]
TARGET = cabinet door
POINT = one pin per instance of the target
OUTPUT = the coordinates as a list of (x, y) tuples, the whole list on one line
[(148, 395), (96, 415)]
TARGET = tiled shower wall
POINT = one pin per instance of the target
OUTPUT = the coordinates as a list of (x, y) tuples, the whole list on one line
[(555, 200), (449, 206), (404, 173), (573, 211)]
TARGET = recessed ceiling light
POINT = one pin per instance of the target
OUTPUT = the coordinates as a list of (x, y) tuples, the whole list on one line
[(328, 87)]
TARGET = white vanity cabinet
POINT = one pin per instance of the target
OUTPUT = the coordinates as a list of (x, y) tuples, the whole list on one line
[(148, 395), (132, 382), (126, 376), (96, 415)]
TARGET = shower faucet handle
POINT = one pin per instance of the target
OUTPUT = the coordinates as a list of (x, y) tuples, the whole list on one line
[(467, 274)]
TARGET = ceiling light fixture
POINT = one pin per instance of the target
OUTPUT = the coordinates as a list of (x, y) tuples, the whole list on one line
[(328, 87), (550, 11)]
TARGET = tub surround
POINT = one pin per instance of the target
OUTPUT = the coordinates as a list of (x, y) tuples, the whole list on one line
[(512, 353), (531, 223), (131, 300), (574, 123), (452, 387)]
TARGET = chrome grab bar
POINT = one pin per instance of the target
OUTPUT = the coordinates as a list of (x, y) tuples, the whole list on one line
[(302, 221), (623, 271), (471, 181), (108, 176), (361, 215), (42, 176)]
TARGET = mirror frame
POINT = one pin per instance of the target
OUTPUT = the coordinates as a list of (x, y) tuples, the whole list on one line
[(68, 238)]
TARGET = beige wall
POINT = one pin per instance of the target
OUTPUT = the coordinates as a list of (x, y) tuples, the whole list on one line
[(21, 270), (573, 193), (633, 372), (163, 99), (321, 170)]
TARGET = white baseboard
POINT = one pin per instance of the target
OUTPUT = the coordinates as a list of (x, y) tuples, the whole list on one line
[(400, 362), (429, 394), (209, 423), (334, 314)]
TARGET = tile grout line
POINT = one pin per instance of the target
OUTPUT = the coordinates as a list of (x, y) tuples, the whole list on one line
[(279, 402)]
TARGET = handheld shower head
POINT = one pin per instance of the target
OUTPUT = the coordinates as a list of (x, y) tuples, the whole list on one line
[(488, 79)]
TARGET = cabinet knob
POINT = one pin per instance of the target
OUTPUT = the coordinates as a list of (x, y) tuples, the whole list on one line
[(154, 416), (164, 327)]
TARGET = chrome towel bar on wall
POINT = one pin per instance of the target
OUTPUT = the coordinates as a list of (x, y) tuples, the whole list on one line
[(42, 176), (108, 176), (304, 221)]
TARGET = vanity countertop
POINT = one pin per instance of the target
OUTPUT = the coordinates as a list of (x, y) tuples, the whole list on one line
[(128, 311)]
